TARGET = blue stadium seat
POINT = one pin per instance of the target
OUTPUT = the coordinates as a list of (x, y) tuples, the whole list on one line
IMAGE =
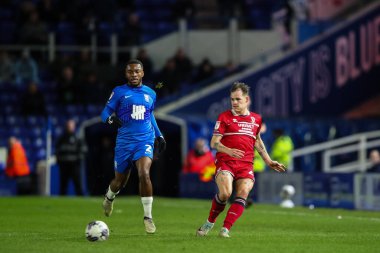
[(105, 31), (74, 109), (13, 120), (35, 121), (65, 32)]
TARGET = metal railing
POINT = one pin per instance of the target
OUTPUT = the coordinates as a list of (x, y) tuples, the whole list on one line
[(359, 143)]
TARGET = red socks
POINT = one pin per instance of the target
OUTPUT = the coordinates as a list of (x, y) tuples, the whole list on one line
[(235, 211), (216, 208)]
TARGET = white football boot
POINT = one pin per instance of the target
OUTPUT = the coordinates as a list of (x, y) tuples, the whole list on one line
[(224, 232), (150, 228), (205, 228), (107, 206)]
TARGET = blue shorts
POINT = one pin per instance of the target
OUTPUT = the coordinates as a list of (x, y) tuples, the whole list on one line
[(126, 155)]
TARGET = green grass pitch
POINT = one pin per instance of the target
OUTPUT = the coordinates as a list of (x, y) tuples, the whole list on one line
[(57, 224)]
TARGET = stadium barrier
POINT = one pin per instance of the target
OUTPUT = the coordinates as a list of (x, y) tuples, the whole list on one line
[(314, 190), (358, 143)]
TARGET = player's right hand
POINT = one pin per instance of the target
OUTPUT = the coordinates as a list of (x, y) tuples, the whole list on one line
[(114, 121), (236, 153)]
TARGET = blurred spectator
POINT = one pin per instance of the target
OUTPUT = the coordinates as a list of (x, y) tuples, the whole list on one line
[(229, 8), (184, 66), (69, 151), (287, 25), (6, 67), (84, 66), (133, 30), (34, 31), (104, 10), (33, 101), (69, 11), (230, 68), (17, 166), (200, 160), (17, 162), (26, 69), (205, 71), (100, 169), (170, 79), (25, 8), (92, 89), (142, 55), (68, 87), (374, 158), (47, 10), (183, 9), (85, 28), (282, 147), (61, 61)]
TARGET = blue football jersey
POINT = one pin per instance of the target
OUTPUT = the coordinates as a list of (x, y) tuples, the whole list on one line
[(134, 107)]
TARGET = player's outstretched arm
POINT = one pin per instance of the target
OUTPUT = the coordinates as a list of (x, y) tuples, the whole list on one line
[(274, 165)]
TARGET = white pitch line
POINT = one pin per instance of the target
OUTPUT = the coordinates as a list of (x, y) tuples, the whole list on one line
[(318, 215)]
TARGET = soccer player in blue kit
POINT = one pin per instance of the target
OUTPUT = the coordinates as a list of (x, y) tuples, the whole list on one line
[(130, 108)]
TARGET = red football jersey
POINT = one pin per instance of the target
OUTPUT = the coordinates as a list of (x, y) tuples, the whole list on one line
[(238, 131)]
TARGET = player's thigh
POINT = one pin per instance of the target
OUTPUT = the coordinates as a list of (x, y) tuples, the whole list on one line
[(143, 165), (122, 178), (243, 187), (224, 181)]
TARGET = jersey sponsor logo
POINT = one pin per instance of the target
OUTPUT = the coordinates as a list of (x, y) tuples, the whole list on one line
[(138, 112), (217, 124), (146, 97), (245, 125)]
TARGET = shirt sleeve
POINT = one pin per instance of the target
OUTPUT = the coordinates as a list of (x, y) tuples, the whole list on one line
[(157, 131), (220, 126), (110, 105)]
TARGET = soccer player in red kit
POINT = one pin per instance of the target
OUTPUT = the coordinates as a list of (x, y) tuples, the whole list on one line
[(236, 135)]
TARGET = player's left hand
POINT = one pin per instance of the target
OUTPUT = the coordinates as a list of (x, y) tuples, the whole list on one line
[(279, 167), (159, 146)]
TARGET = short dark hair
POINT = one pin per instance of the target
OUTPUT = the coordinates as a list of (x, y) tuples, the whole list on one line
[(238, 85), (135, 61)]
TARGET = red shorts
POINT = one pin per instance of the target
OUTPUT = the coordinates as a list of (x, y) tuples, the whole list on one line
[(237, 169)]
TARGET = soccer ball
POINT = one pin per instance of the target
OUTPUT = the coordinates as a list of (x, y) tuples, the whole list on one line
[(287, 192), (97, 231)]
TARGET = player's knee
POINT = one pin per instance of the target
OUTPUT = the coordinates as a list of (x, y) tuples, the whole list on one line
[(144, 178), (224, 196), (116, 185), (242, 193)]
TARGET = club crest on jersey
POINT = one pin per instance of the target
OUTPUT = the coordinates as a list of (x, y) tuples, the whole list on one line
[(234, 120), (253, 120), (146, 96), (217, 124)]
